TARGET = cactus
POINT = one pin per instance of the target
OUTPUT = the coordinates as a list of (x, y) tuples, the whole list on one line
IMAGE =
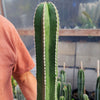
[(85, 97), (65, 93), (62, 98), (63, 76), (58, 79), (58, 90), (80, 83), (69, 91), (46, 23), (62, 86), (97, 96), (14, 84)]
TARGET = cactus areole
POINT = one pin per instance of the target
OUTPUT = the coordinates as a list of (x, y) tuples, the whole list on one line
[(46, 25), (97, 96)]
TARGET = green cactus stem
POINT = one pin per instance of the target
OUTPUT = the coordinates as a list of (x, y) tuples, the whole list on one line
[(80, 84), (58, 90), (85, 97), (69, 89), (62, 86), (97, 96), (46, 24), (62, 98), (65, 93), (63, 76), (58, 79)]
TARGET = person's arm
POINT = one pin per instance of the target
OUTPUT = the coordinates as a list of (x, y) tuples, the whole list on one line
[(28, 85)]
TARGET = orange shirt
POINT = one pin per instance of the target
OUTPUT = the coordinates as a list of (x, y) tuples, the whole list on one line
[(14, 57)]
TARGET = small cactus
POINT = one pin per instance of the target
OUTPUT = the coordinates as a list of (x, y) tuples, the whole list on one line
[(58, 79), (14, 84), (63, 76), (65, 93), (62, 98), (97, 96), (62, 86), (80, 84), (46, 24), (58, 90), (69, 91), (85, 97)]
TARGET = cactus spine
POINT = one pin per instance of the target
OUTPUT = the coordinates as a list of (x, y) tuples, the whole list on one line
[(97, 96), (62, 98), (85, 97), (80, 83), (46, 23)]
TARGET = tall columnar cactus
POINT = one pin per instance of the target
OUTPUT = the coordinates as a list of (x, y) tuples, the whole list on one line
[(63, 76), (58, 90), (62, 98), (85, 97), (63, 84), (97, 96), (69, 91), (46, 23), (80, 84), (65, 93)]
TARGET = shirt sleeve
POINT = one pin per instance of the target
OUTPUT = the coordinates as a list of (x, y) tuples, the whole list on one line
[(24, 62)]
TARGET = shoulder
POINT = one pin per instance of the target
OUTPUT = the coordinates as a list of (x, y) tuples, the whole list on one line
[(4, 22)]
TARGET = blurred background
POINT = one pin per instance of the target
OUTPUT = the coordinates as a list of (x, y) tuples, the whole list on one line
[(73, 13)]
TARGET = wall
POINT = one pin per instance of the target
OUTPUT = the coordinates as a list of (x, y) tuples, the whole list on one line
[(72, 53)]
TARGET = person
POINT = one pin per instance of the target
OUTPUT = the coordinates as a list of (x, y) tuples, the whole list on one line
[(15, 60)]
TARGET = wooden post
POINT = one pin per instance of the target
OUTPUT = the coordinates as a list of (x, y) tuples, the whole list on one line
[(64, 66), (81, 65), (97, 68), (1, 8)]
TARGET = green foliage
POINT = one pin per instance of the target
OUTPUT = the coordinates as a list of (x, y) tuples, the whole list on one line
[(85, 97), (14, 84), (86, 21), (97, 95), (80, 84), (46, 24)]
